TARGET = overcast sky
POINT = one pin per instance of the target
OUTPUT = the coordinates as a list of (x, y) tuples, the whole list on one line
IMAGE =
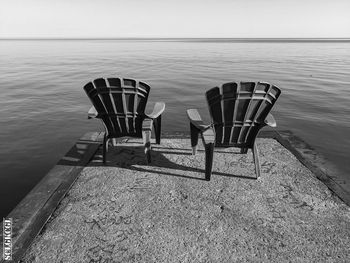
[(174, 18)]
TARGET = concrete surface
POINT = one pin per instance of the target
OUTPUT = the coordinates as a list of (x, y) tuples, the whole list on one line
[(128, 211)]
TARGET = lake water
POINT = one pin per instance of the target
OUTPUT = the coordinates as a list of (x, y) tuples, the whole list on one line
[(44, 108)]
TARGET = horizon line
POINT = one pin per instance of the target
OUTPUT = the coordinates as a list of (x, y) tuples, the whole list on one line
[(174, 38)]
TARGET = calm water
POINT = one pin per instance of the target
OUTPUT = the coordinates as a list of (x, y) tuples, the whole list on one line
[(43, 106)]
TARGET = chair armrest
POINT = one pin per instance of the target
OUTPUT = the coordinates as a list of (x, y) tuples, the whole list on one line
[(196, 119), (158, 109), (92, 113), (270, 120)]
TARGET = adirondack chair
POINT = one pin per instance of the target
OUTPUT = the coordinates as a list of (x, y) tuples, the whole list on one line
[(238, 111), (120, 104)]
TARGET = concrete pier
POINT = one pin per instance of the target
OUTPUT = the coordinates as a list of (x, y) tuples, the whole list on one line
[(128, 211)]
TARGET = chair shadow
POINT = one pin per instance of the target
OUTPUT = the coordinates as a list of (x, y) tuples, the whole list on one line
[(198, 150), (129, 157)]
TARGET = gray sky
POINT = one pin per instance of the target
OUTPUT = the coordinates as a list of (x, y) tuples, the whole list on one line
[(174, 18)]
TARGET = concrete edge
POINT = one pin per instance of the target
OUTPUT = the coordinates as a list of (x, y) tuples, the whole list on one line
[(310, 159), (32, 213)]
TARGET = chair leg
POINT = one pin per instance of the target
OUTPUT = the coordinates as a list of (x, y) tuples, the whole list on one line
[(194, 138), (146, 135), (105, 148), (157, 125), (244, 150), (209, 154), (256, 160)]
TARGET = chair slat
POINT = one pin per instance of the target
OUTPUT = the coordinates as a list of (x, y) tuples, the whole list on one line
[(125, 110), (130, 110), (214, 101), (115, 119), (143, 91), (134, 110), (256, 104), (114, 82), (249, 87), (229, 95), (100, 83)]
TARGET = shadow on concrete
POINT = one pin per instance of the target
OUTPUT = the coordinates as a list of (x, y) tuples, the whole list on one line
[(131, 157), (216, 150)]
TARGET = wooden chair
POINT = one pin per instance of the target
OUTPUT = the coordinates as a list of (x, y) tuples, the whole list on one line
[(120, 104), (238, 112)]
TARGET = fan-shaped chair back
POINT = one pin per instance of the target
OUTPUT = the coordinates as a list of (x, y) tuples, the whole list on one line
[(120, 104), (238, 111)]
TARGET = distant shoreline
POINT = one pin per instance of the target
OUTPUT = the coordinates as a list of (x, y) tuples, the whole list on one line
[(228, 40)]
